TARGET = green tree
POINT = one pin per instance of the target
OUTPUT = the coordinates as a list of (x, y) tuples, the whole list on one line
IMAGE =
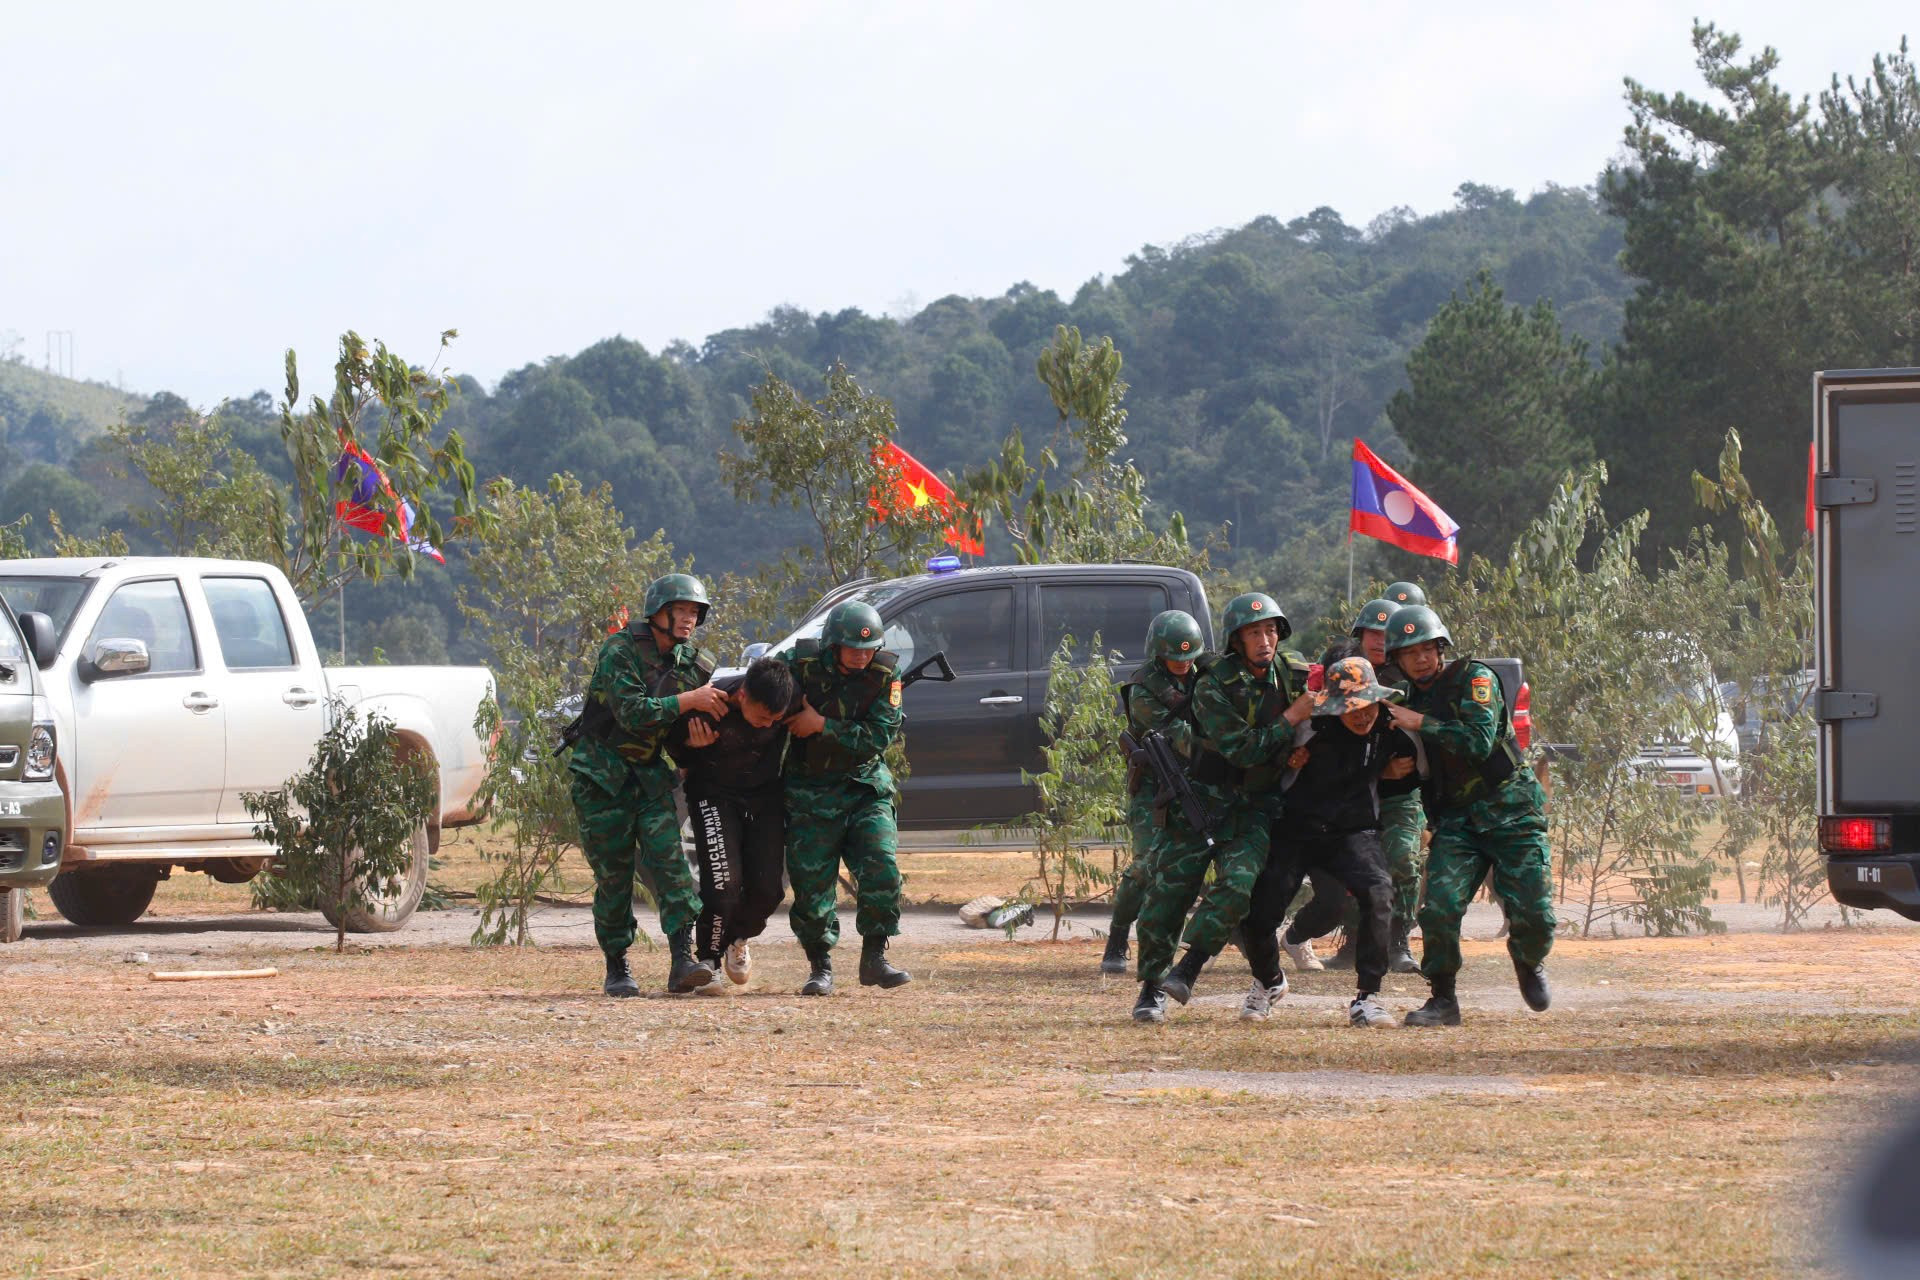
[(1493, 411), (213, 499), (345, 826)]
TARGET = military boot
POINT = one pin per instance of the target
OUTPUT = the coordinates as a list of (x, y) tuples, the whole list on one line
[(1440, 1010), (819, 976), (1178, 984), (619, 981), (686, 973), (1400, 956), (875, 970), (1114, 960), (1533, 986), (1152, 1004)]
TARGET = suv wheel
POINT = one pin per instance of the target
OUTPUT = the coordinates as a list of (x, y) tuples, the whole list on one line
[(104, 897)]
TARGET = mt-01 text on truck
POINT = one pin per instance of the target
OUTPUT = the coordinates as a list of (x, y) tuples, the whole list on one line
[(177, 685)]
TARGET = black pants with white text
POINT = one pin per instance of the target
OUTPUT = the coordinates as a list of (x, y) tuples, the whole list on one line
[(740, 850)]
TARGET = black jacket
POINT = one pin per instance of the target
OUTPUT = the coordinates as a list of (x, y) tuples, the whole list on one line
[(744, 765), (1339, 787)]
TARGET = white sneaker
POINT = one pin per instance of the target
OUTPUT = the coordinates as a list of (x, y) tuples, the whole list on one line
[(1301, 953), (737, 964), (1367, 1011), (1260, 1000)]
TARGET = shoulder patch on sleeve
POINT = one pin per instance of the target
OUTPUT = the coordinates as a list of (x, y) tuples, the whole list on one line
[(1483, 690), (893, 693)]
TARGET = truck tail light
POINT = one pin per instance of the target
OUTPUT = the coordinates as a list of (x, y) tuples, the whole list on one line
[(1855, 835), (1523, 716)]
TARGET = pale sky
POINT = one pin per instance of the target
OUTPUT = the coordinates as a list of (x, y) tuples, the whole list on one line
[(190, 188)]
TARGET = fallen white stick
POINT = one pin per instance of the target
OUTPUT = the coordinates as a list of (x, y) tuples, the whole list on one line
[(201, 975)]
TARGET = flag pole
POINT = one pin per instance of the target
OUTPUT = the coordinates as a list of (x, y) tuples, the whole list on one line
[(343, 620), (1349, 564)]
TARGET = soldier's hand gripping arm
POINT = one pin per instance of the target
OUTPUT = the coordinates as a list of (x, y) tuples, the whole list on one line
[(870, 734), (1241, 743), (1471, 737)]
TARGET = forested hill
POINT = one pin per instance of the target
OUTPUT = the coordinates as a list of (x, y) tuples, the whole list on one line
[(1254, 355)]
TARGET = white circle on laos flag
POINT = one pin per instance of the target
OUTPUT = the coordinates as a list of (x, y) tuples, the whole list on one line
[(1398, 506)]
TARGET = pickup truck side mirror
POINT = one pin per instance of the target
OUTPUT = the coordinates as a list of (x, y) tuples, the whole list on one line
[(115, 656), (37, 630), (754, 652)]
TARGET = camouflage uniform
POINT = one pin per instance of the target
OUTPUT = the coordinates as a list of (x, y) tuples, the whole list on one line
[(1239, 756), (1488, 815), (1153, 699), (623, 785), (840, 798)]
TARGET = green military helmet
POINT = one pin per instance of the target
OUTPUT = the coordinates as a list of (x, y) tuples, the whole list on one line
[(1254, 606), (853, 624), (1406, 593), (1413, 624), (1174, 636), (673, 587), (1373, 616)]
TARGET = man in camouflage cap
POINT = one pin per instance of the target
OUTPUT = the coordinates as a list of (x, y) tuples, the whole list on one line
[(840, 794), (1343, 760), (1157, 697), (1487, 812), (647, 675)]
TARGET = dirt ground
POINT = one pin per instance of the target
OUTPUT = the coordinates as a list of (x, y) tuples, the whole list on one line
[(415, 1106)]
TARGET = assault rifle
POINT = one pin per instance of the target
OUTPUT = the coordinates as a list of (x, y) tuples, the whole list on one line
[(1153, 753)]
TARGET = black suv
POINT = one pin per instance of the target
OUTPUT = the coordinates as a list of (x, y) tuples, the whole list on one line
[(968, 741)]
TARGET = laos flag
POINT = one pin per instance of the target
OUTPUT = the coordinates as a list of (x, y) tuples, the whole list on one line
[(1387, 507)]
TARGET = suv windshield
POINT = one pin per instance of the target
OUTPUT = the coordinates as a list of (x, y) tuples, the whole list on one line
[(58, 598)]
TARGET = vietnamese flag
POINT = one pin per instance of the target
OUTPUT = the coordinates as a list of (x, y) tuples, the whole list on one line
[(916, 487), (1387, 506)]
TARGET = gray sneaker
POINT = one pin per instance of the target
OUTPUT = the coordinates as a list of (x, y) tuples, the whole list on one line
[(1367, 1011), (1260, 1000), (1301, 953)]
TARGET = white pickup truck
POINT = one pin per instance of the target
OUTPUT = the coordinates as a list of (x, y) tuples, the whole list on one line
[(179, 684)]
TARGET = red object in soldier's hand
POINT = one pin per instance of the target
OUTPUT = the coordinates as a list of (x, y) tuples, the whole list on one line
[(1316, 677)]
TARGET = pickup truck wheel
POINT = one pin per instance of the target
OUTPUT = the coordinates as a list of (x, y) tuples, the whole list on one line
[(387, 913), (104, 896), (13, 914)]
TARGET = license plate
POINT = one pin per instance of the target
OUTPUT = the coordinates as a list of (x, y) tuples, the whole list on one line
[(1888, 877)]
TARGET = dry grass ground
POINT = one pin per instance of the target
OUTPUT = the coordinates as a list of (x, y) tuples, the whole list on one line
[(1683, 1111)]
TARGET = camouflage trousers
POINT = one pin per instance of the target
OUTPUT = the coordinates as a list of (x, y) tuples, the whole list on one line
[(1460, 858), (840, 822), (1130, 890), (1403, 820), (1180, 863), (629, 832)]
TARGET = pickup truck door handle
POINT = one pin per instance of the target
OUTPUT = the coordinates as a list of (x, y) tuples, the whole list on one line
[(197, 702), (298, 697), (1002, 700)]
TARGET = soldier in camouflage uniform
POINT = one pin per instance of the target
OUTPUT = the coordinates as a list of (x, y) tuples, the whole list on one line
[(1402, 824), (1486, 809), (1246, 703), (1156, 697), (646, 677), (840, 794)]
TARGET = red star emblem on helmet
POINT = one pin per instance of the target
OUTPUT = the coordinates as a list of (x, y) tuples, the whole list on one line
[(1408, 629), (1185, 645), (865, 632), (1256, 606)]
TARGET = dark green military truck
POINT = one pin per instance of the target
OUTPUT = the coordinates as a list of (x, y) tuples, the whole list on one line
[(33, 810)]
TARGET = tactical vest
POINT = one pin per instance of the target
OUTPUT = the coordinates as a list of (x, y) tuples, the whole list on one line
[(666, 677), (1255, 706), (837, 695), (1453, 781), (1172, 692)]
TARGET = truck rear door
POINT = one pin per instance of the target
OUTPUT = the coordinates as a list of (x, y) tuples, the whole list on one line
[(1866, 495)]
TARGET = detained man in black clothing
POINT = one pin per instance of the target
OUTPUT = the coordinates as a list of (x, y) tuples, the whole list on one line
[(1344, 756), (734, 801)]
